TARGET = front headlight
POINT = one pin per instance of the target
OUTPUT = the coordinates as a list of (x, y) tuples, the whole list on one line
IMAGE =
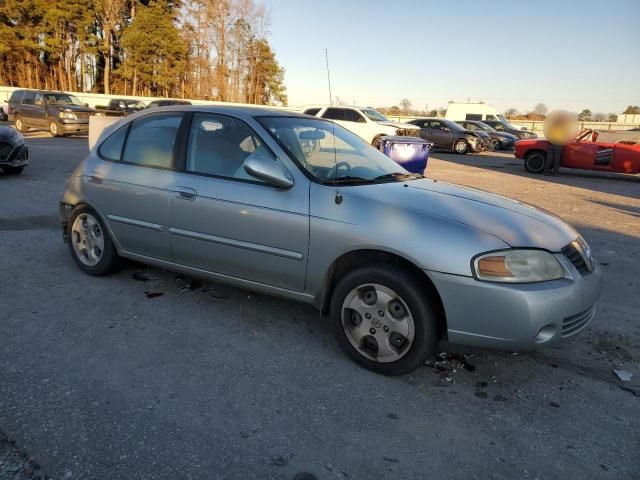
[(517, 266), (69, 115)]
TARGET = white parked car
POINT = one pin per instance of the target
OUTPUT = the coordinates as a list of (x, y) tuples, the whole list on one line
[(365, 122)]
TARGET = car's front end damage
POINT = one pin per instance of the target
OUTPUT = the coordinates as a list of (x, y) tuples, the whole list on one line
[(14, 152)]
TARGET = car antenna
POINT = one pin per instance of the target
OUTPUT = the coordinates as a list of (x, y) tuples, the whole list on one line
[(338, 198)]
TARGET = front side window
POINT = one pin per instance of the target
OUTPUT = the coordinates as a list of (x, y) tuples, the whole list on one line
[(152, 139), (29, 98), (38, 101), (219, 145), (353, 116), (330, 153)]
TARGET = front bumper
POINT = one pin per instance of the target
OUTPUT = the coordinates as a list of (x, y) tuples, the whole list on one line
[(18, 157), (518, 316), (80, 125)]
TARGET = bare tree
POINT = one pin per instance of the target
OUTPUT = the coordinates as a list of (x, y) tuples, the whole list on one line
[(600, 117), (510, 112), (540, 109), (405, 104)]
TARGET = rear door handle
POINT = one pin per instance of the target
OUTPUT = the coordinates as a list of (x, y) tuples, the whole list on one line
[(185, 193)]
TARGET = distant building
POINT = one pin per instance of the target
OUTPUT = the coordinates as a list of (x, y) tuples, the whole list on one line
[(629, 118)]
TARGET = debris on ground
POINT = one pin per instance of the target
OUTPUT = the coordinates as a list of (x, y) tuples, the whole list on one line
[(623, 375), (15, 465), (448, 363), (187, 284), (153, 294)]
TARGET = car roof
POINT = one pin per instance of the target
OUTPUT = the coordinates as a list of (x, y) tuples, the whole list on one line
[(234, 110)]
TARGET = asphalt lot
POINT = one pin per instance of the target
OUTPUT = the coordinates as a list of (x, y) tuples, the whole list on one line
[(208, 381)]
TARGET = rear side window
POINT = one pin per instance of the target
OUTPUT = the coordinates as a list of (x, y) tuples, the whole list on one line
[(29, 98), (473, 116), (311, 111), (334, 114), (16, 97), (152, 139), (111, 148)]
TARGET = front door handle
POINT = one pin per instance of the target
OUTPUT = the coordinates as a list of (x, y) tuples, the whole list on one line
[(93, 178), (185, 193)]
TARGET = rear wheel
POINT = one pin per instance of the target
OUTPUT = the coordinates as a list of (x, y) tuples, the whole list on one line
[(90, 244), (534, 161), (383, 320), (461, 146), (20, 126), (13, 170)]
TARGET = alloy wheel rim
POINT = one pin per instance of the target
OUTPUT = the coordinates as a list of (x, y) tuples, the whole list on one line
[(87, 239), (378, 323), (460, 147), (53, 128), (19, 124), (536, 163)]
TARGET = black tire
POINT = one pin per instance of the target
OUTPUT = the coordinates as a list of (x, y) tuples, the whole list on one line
[(534, 161), (109, 261), (418, 300), (13, 170), (20, 126), (55, 128), (461, 146)]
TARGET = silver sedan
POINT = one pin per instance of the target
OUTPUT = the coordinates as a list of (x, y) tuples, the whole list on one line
[(299, 207)]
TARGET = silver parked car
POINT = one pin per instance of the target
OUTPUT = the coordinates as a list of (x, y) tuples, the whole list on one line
[(299, 207)]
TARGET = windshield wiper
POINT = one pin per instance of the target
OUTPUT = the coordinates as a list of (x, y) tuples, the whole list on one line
[(346, 179), (398, 176)]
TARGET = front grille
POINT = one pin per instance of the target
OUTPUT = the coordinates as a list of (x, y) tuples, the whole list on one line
[(575, 257), (5, 150), (573, 324), (408, 132), (82, 115)]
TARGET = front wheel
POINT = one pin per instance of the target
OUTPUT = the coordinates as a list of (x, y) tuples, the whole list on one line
[(461, 146), (55, 128), (90, 244), (497, 145), (383, 320), (377, 141), (534, 162)]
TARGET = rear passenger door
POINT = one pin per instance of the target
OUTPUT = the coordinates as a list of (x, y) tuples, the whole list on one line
[(227, 222), (349, 119), (131, 185), (27, 109), (439, 135)]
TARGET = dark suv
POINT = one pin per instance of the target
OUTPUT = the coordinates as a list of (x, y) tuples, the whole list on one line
[(59, 112)]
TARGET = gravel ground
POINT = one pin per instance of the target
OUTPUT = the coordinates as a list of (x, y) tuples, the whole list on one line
[(208, 381)]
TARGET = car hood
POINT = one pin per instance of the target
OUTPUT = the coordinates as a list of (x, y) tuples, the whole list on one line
[(74, 108), (399, 125), (515, 223), (11, 136), (507, 136)]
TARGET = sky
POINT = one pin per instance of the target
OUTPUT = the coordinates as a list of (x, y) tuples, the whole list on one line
[(567, 54)]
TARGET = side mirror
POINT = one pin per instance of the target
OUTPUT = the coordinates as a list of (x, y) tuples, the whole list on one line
[(266, 169)]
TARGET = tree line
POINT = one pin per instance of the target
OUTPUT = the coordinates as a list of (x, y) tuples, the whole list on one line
[(204, 49)]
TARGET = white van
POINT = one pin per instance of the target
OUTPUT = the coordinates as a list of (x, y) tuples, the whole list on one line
[(473, 111)]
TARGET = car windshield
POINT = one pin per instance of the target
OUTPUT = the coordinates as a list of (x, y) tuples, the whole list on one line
[(485, 127), (332, 154), (62, 99), (374, 115)]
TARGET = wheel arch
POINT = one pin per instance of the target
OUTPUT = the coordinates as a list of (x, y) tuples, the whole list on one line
[(351, 260)]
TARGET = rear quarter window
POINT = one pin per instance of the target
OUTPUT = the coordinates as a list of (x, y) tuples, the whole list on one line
[(16, 97), (111, 148)]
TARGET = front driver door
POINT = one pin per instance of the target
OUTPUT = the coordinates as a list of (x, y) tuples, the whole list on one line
[(226, 222)]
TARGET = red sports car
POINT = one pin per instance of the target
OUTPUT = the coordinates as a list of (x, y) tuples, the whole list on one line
[(606, 151)]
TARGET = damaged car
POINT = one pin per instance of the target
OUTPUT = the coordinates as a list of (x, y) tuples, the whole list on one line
[(14, 153)]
